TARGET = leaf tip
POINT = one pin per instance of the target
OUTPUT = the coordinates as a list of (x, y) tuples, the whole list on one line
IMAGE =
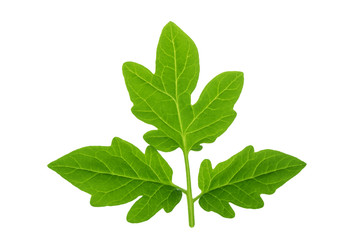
[(249, 148), (171, 23), (51, 165), (302, 164), (131, 219), (197, 147), (171, 26), (95, 203), (125, 66), (115, 141), (150, 150), (206, 162)]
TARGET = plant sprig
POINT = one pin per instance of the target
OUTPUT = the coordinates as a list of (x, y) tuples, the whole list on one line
[(120, 173)]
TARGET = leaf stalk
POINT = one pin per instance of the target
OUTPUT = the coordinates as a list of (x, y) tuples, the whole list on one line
[(197, 197), (190, 200)]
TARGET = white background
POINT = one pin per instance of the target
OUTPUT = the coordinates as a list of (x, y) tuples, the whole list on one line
[(62, 88)]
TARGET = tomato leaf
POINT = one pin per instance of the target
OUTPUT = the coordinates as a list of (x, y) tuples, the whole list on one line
[(242, 178), (163, 99), (119, 174)]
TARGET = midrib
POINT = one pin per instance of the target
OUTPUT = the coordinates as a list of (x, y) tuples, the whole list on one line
[(176, 93)]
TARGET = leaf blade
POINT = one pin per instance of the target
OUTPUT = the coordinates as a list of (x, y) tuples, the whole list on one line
[(163, 99), (160, 141), (242, 178), (213, 112), (119, 174)]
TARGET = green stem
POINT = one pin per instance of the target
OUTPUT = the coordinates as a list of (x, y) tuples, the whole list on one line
[(180, 188), (197, 197), (190, 201)]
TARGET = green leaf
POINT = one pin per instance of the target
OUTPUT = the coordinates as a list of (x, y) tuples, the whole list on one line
[(160, 141), (163, 99), (119, 174), (242, 178)]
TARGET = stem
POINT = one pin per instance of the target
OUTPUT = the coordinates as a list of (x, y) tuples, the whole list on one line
[(197, 197), (190, 200)]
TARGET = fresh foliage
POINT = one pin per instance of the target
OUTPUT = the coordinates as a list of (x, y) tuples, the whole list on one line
[(242, 178), (163, 99), (120, 173)]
